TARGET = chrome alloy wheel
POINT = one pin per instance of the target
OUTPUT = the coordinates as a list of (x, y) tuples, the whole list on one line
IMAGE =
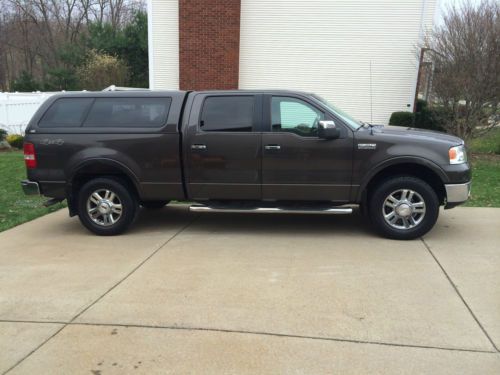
[(404, 209), (104, 207)]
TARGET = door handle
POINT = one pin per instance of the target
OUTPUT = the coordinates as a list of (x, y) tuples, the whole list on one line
[(272, 147), (198, 147)]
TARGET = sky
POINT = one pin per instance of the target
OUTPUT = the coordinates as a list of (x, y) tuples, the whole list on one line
[(441, 6)]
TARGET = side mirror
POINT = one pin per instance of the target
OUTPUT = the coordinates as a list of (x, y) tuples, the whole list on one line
[(328, 130)]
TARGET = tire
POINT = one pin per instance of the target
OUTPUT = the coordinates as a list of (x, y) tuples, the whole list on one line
[(403, 208), (154, 205), (104, 216)]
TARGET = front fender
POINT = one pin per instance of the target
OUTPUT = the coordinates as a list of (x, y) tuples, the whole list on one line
[(400, 160)]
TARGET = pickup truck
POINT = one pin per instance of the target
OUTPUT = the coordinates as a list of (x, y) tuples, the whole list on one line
[(109, 153)]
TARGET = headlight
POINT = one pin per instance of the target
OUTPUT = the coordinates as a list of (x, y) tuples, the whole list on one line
[(457, 154)]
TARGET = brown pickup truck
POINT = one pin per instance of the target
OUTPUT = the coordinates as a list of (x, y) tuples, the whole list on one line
[(237, 151)]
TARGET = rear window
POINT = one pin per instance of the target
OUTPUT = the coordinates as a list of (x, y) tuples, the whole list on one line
[(227, 113), (128, 112), (65, 112)]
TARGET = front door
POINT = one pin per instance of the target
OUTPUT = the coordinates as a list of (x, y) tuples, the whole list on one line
[(296, 164), (223, 147)]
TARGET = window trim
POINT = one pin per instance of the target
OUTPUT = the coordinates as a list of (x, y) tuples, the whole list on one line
[(161, 126), (83, 117), (269, 100), (255, 116)]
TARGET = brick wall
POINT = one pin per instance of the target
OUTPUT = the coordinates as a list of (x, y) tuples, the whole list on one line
[(209, 44)]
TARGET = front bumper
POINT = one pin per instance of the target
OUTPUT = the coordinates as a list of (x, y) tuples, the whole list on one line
[(30, 187), (457, 193)]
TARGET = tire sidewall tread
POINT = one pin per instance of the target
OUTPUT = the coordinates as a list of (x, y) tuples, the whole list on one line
[(403, 182), (128, 199)]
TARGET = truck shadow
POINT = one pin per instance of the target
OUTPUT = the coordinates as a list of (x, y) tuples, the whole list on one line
[(235, 223)]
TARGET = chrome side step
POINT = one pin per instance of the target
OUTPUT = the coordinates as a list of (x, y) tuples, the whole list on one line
[(273, 210)]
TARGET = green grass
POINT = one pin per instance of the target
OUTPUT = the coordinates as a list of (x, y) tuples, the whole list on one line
[(15, 207), (485, 181), (485, 161), (487, 144)]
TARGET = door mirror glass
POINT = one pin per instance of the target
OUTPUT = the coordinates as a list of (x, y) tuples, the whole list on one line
[(328, 130)]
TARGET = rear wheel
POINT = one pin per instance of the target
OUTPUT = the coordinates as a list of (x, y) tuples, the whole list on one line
[(154, 205), (106, 206), (404, 208)]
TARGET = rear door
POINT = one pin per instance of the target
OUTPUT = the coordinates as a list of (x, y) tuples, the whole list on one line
[(223, 147), (296, 163)]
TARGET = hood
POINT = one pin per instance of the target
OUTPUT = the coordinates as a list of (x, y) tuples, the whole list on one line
[(430, 135)]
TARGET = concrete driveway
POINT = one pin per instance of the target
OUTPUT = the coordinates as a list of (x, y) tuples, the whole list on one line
[(226, 293)]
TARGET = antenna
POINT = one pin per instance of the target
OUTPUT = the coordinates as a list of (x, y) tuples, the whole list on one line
[(371, 95)]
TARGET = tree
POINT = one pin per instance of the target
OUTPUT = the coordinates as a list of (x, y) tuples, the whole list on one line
[(25, 82), (466, 50), (101, 70)]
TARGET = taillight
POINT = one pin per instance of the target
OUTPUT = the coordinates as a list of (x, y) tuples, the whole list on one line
[(29, 155)]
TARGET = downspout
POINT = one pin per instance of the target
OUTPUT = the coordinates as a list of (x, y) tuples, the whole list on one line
[(150, 45), (422, 51)]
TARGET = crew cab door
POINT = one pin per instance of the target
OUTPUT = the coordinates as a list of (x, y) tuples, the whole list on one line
[(223, 146), (296, 163)]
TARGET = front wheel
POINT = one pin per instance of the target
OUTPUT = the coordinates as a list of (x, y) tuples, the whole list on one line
[(106, 206), (404, 208)]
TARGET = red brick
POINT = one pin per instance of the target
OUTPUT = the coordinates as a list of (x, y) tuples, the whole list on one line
[(209, 44)]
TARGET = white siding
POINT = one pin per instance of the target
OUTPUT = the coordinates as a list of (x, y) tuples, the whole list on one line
[(163, 33), (330, 47)]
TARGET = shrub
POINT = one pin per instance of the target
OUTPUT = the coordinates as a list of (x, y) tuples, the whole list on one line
[(402, 118), (101, 70), (15, 140), (431, 118), (3, 134)]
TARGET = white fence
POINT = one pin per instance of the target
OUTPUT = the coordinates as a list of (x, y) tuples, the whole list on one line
[(16, 109)]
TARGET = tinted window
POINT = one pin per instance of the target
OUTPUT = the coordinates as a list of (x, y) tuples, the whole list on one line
[(294, 116), (128, 112), (65, 112), (227, 113)]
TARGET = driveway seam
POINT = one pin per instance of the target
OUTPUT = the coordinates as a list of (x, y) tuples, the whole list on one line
[(261, 333), (460, 295), (103, 295)]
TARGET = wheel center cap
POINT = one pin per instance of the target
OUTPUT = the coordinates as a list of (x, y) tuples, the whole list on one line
[(104, 207), (404, 210)]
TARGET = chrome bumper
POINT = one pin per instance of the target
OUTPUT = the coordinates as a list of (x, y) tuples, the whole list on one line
[(457, 193), (30, 187)]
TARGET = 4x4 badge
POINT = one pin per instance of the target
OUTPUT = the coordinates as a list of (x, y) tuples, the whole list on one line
[(367, 146)]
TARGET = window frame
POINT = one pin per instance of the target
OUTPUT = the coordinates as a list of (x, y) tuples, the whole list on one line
[(95, 99), (169, 127), (83, 116), (256, 118), (325, 116), (267, 119)]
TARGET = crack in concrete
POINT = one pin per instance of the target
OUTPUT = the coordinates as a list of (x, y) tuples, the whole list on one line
[(261, 333), (460, 295), (65, 324)]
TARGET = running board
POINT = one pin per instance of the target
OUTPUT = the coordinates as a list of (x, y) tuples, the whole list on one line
[(273, 210)]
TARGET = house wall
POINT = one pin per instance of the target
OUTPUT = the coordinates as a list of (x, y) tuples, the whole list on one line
[(163, 40), (361, 55), (209, 37)]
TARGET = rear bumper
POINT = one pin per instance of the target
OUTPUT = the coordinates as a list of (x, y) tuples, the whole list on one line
[(30, 187), (457, 193)]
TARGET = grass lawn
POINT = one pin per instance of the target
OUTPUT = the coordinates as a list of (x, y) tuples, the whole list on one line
[(15, 207), (485, 162)]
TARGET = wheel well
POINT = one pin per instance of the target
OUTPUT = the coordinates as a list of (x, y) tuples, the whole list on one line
[(408, 169), (87, 173)]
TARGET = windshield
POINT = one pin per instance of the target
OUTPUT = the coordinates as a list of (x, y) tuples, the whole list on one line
[(355, 124)]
